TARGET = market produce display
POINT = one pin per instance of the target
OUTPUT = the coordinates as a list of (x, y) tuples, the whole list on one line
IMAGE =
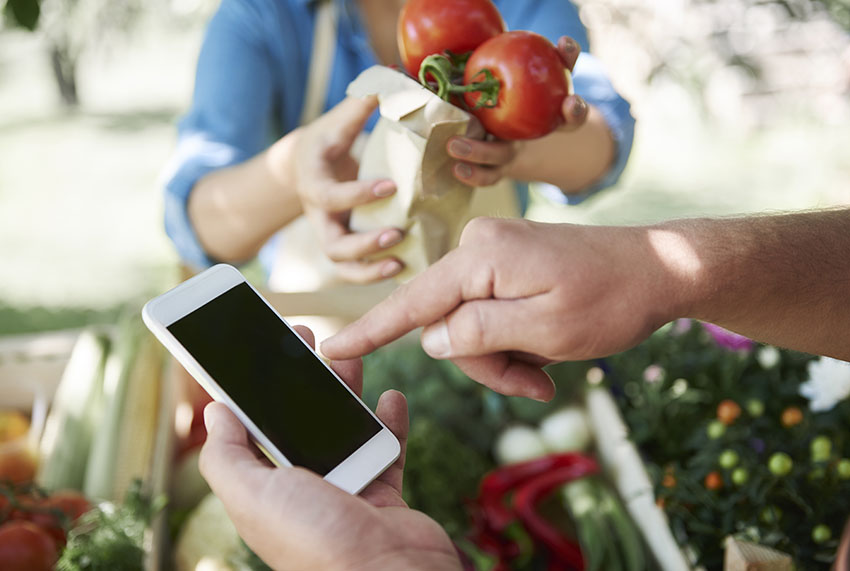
[(77, 490), (759, 450), (515, 482)]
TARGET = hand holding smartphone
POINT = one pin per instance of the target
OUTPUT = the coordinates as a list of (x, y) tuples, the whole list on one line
[(245, 355)]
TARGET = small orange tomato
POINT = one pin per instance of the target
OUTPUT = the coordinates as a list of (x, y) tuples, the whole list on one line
[(713, 481), (728, 411), (791, 416), (669, 481)]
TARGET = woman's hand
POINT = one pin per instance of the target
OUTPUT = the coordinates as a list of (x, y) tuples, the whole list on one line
[(293, 519), (325, 178), (483, 163)]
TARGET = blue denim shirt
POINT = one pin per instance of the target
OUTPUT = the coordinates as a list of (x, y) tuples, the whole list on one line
[(249, 90)]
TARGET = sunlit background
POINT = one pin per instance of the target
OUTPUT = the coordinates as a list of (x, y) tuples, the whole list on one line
[(742, 106)]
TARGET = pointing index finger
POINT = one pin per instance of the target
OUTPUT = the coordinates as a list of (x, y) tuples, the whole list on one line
[(425, 299)]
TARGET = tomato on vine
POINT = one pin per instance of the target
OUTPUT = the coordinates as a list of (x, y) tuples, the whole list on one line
[(427, 27), (532, 85)]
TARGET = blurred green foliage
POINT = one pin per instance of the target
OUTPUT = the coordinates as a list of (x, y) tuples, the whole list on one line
[(24, 13), (669, 417)]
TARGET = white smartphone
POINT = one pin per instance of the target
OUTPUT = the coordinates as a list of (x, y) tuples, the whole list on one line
[(245, 355)]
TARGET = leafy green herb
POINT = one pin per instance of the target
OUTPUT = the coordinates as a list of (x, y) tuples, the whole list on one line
[(112, 537)]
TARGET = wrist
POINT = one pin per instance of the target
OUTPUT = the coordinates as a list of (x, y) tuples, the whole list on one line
[(280, 160), (680, 276)]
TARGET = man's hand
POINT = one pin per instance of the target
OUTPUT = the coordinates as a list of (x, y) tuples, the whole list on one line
[(326, 182), (516, 295), (293, 519)]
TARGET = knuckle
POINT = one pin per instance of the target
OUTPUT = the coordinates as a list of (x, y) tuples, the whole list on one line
[(481, 229), (467, 331)]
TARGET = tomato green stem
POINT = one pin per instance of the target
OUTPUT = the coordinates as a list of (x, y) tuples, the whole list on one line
[(446, 76)]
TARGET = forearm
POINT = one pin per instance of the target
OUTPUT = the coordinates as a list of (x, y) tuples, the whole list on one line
[(780, 279), (571, 160), (235, 210)]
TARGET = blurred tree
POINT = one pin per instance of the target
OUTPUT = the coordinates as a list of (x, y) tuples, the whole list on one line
[(69, 27), (24, 13)]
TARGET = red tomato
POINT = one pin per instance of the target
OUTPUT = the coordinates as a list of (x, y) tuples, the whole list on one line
[(55, 514), (533, 85), (26, 547), (70, 502), (428, 27)]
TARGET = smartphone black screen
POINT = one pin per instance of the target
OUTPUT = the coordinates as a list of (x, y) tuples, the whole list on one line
[(274, 378)]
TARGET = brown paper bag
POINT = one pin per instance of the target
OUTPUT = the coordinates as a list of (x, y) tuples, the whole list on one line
[(408, 145)]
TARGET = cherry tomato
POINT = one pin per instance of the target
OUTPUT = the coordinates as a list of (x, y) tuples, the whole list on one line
[(728, 459), (755, 407), (713, 481), (791, 416), (26, 547), (669, 480), (821, 448), (780, 464), (427, 27), (821, 533), (728, 411), (715, 429), (533, 85), (740, 476), (843, 468)]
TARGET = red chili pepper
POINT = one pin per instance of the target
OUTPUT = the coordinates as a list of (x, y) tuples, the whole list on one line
[(528, 497), (496, 484), (492, 514)]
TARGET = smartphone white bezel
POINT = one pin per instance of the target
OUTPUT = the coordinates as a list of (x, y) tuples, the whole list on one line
[(353, 473)]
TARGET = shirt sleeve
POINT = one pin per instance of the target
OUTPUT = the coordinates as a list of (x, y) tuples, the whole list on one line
[(556, 18), (229, 120)]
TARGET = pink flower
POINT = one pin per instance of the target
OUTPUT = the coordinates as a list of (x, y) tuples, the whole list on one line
[(654, 374), (682, 326), (728, 339)]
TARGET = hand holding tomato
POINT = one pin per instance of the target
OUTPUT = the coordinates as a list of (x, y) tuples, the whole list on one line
[(482, 163)]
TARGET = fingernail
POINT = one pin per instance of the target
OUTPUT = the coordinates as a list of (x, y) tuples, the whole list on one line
[(569, 44), (435, 340), (391, 268), (459, 148), (383, 188), (209, 419), (579, 107), (463, 170), (389, 238)]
